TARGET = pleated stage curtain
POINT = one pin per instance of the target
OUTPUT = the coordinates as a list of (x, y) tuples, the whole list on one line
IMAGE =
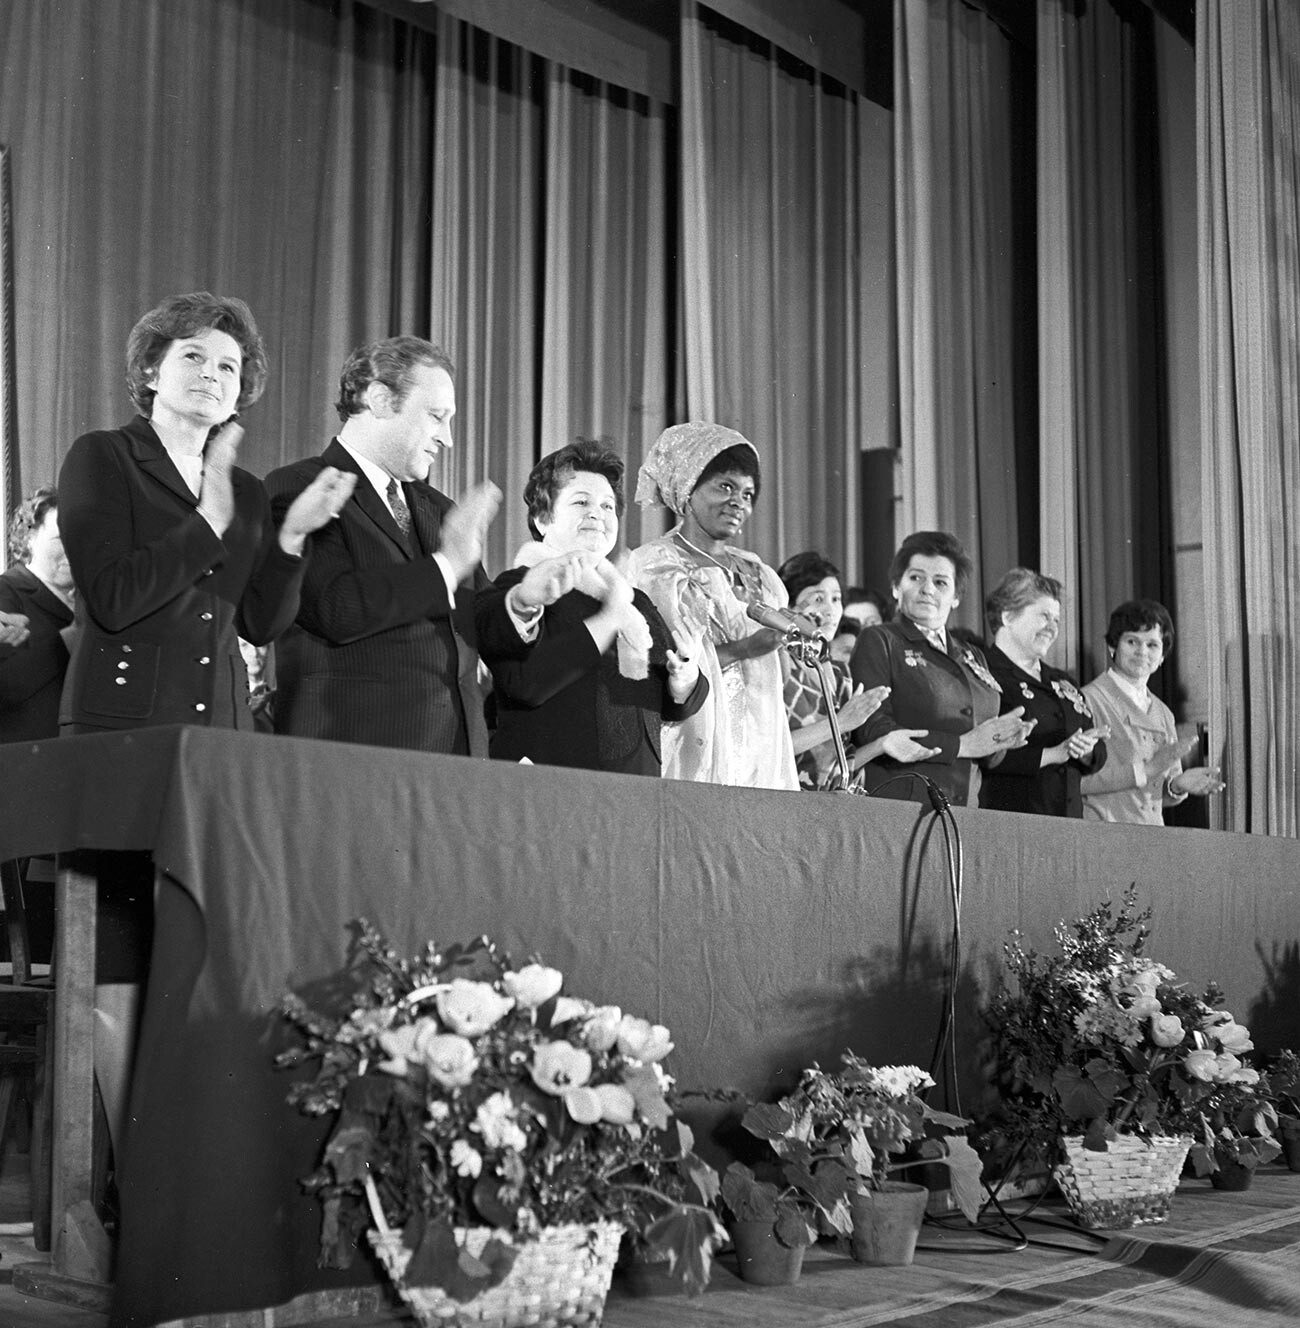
[(1103, 500), (275, 152), (1248, 146), (774, 310), (953, 162)]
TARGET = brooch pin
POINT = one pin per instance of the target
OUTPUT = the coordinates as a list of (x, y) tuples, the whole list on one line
[(1026, 691), (1067, 691), (980, 671)]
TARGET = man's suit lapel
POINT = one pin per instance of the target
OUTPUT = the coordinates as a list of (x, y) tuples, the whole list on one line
[(368, 503)]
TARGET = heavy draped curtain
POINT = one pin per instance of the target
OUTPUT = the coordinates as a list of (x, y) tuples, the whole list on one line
[(1102, 497), (1248, 144), (773, 306), (956, 281), (279, 153)]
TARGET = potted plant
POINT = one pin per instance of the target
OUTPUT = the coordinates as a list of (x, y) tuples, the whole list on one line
[(867, 1117), (1284, 1077), (1099, 1049), (776, 1207), (498, 1135), (1234, 1130)]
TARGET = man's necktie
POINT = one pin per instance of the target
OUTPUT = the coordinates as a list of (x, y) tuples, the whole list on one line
[(401, 513)]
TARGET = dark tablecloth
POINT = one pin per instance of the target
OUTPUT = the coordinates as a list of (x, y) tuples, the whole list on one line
[(767, 930)]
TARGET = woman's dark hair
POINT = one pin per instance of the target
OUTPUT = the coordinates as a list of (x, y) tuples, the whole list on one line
[(738, 460), (27, 520), (180, 316), (555, 470), (857, 594), (391, 362), (802, 570), (1018, 588), (1140, 615), (933, 544)]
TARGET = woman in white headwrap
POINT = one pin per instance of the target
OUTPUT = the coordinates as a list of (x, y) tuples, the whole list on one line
[(702, 584)]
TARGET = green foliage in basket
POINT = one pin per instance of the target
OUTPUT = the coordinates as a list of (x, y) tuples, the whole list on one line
[(476, 1093), (1099, 1038)]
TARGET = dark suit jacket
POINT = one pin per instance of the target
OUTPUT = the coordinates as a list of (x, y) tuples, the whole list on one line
[(1019, 783), (161, 598), (561, 702), (378, 654), (31, 675), (941, 693)]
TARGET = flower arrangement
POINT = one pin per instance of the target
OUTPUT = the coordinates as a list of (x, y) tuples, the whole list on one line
[(1101, 1039), (844, 1130), (470, 1093)]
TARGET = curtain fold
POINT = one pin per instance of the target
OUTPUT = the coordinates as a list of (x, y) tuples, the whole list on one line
[(239, 147), (953, 161), (605, 340), (771, 291), (1096, 485), (1248, 145), (485, 296)]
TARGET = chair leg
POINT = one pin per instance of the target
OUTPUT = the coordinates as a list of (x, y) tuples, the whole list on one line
[(42, 1141)]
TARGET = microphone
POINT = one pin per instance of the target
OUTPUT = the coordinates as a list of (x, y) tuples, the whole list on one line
[(779, 620)]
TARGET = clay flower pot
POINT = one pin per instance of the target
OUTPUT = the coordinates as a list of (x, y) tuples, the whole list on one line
[(763, 1259), (1231, 1175), (1289, 1137), (887, 1221)]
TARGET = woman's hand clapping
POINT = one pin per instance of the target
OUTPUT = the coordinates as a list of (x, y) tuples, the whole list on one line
[(999, 734)]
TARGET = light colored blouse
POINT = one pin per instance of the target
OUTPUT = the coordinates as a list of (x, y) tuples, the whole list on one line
[(1124, 789), (740, 735)]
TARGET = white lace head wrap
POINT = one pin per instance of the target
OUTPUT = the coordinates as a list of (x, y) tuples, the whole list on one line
[(677, 460)]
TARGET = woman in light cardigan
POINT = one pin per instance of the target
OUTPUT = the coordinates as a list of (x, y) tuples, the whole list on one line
[(1143, 772)]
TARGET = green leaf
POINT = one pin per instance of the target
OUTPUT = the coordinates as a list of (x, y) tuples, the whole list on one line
[(965, 1168), (641, 1082), (440, 1261), (686, 1237), (747, 1199), (769, 1120), (791, 1227), (703, 1177), (489, 1203)]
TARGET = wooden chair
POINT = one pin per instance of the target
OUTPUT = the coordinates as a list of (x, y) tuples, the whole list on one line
[(26, 1046)]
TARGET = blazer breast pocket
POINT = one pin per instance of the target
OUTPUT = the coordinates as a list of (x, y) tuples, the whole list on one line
[(121, 680)]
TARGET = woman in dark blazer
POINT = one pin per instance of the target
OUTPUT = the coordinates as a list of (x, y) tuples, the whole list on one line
[(604, 674), (937, 683), (38, 590), (171, 545), (1024, 615), (174, 556)]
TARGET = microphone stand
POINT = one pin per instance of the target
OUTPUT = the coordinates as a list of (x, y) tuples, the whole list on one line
[(814, 653)]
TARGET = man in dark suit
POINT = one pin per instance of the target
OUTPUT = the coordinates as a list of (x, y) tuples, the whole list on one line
[(383, 650)]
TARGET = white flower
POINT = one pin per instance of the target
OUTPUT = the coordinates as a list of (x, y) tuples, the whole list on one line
[(1233, 1036), (471, 1008), (1201, 1064), (402, 1045), (900, 1080), (559, 1067), (641, 1040), (496, 1121), (600, 1032), (438, 1111), (449, 1059), (617, 1105), (583, 1104), (568, 1008), (467, 1160), (532, 985), (1166, 1030)]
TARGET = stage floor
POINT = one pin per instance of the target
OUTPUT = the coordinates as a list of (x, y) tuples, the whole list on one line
[(1222, 1259)]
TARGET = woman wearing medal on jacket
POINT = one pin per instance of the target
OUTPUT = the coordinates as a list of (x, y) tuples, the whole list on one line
[(937, 684), (1024, 615)]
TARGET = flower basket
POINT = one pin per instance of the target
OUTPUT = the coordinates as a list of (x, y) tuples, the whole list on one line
[(559, 1280), (1131, 1184)]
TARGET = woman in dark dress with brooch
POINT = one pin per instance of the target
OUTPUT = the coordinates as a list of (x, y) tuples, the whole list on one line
[(1024, 614), (595, 687), (939, 684)]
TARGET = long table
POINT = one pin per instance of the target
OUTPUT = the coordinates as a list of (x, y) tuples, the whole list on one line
[(767, 930)]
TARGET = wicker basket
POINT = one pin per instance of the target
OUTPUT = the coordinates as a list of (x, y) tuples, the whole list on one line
[(559, 1280), (1131, 1184)]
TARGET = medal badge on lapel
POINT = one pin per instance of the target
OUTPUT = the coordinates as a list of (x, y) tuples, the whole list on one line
[(914, 659), (1067, 691), (978, 669), (1026, 691)]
